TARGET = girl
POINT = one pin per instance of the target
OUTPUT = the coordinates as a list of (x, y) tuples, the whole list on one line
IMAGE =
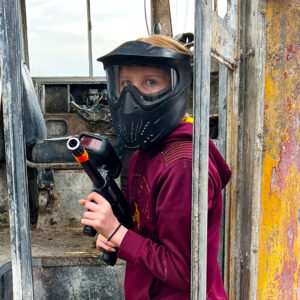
[(148, 84)]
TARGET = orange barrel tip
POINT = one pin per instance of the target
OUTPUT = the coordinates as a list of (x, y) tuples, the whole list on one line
[(78, 151)]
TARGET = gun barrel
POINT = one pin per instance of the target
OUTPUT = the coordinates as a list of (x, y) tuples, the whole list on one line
[(82, 157), (73, 144)]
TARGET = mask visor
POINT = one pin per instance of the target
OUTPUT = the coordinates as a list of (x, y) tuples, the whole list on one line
[(152, 83)]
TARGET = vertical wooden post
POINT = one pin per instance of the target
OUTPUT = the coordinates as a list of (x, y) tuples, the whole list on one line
[(216, 6), (160, 13), (250, 150), (10, 55), (202, 58), (23, 29), (89, 25)]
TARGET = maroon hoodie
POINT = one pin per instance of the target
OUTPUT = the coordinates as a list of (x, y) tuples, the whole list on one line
[(158, 249)]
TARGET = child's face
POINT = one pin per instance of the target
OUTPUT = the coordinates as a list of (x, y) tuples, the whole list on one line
[(148, 80)]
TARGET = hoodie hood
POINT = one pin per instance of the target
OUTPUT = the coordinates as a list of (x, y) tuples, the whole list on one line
[(184, 131)]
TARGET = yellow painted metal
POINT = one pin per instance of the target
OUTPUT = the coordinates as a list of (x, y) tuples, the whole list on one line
[(279, 240)]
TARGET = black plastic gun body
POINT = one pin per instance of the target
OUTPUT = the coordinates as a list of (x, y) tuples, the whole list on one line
[(102, 165)]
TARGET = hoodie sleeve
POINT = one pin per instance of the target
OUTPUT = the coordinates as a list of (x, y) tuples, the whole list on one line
[(168, 260), (219, 163)]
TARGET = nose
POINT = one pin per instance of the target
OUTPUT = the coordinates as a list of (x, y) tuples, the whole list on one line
[(136, 83), (129, 105)]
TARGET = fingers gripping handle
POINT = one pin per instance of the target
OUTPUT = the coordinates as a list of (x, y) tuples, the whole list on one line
[(110, 258), (89, 230)]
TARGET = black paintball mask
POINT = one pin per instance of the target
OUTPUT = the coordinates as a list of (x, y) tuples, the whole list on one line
[(146, 107)]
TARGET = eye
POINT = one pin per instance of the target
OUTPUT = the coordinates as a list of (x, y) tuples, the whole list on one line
[(151, 82)]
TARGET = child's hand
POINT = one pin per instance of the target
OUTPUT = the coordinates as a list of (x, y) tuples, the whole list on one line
[(99, 215), (103, 244)]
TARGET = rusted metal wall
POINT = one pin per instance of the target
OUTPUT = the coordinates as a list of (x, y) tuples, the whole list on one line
[(279, 237)]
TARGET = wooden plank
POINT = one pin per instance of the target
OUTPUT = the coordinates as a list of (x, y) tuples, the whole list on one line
[(224, 42), (225, 48), (89, 32), (24, 33), (201, 96), (241, 280), (70, 80), (14, 150), (220, 143), (250, 145), (231, 205), (160, 13)]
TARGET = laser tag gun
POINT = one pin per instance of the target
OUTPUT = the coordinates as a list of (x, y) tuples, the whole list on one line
[(101, 163)]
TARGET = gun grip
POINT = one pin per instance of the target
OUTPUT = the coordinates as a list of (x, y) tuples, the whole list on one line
[(110, 258), (89, 230)]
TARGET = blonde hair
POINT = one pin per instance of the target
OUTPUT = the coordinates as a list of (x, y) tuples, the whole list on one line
[(165, 42), (169, 43)]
